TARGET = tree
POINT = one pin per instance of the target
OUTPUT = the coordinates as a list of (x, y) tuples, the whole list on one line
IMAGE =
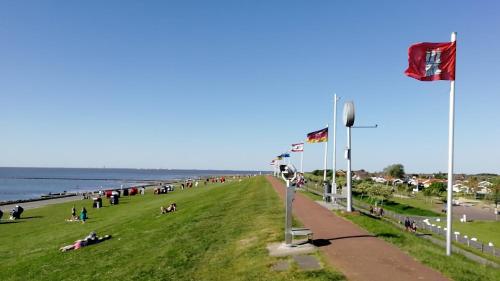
[(363, 187), (441, 176), (395, 171), (435, 189), (402, 188), (341, 181), (473, 183), (380, 192), (495, 191)]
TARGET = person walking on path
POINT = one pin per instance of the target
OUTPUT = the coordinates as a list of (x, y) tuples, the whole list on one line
[(407, 223), (351, 246)]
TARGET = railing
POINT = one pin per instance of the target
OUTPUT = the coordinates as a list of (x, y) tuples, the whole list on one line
[(314, 187), (421, 224), (472, 242)]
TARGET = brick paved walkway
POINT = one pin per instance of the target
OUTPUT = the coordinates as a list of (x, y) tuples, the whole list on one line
[(351, 249)]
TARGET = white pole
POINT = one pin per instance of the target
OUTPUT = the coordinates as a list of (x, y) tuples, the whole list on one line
[(324, 169), (451, 135), (334, 160), (348, 175), (302, 160)]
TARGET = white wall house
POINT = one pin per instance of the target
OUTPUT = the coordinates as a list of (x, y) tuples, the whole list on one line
[(459, 187), (484, 187), (379, 179)]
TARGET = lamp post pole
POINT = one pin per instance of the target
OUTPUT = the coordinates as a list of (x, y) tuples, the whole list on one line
[(334, 159)]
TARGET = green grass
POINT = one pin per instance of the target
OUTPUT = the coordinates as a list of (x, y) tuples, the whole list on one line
[(218, 233), (484, 231), (420, 202), (455, 267), (401, 208), (312, 196)]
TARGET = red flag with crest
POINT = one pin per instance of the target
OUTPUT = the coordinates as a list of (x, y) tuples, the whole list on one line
[(432, 61)]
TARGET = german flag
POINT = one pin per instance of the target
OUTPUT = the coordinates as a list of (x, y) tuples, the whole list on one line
[(318, 136)]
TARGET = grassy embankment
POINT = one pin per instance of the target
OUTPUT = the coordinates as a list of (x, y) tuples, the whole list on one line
[(403, 208), (456, 267), (484, 231), (219, 233), (419, 201), (406, 206)]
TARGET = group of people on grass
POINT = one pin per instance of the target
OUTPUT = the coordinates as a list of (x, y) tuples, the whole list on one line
[(171, 208), (377, 211), (15, 213), (90, 239), (81, 217)]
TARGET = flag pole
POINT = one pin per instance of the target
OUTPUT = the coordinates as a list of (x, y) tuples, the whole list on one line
[(334, 160), (302, 160), (325, 191), (451, 135)]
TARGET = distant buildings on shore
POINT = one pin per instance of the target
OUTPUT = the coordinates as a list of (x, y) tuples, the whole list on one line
[(422, 181)]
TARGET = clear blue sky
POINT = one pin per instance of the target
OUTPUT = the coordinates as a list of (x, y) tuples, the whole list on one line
[(230, 84)]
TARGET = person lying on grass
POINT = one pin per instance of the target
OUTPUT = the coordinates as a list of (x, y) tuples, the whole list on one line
[(88, 240), (171, 208)]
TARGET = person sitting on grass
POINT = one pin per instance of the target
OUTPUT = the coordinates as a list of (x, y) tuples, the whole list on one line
[(73, 213), (413, 226), (15, 214), (73, 217), (87, 241), (171, 208)]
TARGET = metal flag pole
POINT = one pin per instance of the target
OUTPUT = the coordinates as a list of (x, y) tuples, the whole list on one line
[(302, 160), (451, 134), (325, 187), (334, 160)]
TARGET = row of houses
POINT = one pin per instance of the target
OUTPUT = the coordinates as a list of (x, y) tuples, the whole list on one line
[(460, 185)]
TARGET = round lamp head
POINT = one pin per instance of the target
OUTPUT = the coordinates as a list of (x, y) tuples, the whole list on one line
[(349, 114)]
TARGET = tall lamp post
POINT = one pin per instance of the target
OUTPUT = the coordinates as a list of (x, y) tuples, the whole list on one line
[(349, 122)]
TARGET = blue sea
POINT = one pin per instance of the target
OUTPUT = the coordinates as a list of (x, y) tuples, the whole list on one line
[(28, 183)]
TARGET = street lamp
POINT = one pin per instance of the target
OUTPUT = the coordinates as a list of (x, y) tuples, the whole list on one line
[(349, 122)]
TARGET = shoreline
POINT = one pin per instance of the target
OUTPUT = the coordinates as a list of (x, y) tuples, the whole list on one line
[(33, 203), (50, 196), (40, 203)]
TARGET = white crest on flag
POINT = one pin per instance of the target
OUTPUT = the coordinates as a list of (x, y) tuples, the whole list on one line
[(432, 62), (298, 147)]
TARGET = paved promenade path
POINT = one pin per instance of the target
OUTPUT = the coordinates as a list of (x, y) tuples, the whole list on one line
[(37, 204), (351, 249)]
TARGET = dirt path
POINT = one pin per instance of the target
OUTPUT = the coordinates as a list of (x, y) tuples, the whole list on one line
[(352, 249)]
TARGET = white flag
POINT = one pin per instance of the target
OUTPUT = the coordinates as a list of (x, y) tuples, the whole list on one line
[(298, 147)]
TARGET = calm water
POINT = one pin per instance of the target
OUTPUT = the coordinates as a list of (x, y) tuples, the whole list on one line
[(26, 183)]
